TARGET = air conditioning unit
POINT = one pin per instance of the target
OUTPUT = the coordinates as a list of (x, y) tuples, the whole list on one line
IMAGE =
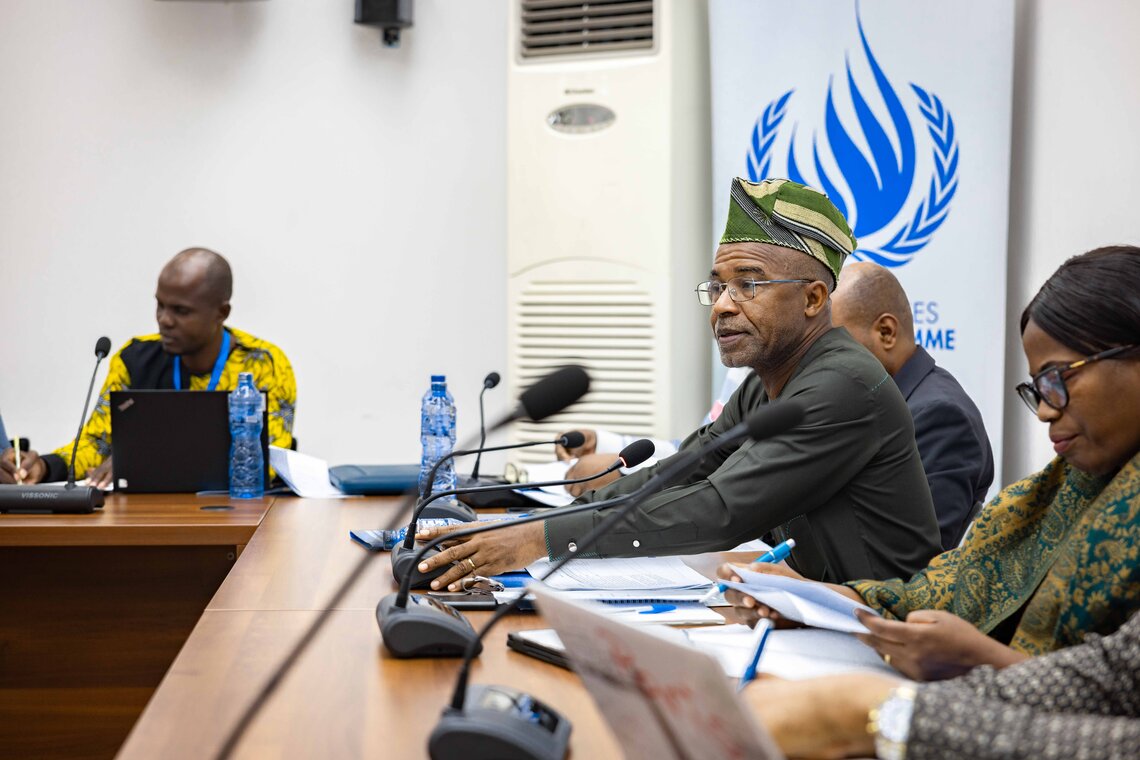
[(608, 214)]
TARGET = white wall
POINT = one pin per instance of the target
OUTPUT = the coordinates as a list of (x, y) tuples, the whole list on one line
[(1075, 180), (318, 161), (358, 192)]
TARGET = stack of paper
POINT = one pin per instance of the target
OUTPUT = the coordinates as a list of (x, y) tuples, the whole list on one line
[(807, 602), (641, 573)]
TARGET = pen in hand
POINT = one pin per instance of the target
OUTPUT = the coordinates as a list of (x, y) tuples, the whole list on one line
[(16, 445), (777, 553)]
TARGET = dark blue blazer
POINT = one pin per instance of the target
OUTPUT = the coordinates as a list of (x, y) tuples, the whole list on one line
[(952, 443)]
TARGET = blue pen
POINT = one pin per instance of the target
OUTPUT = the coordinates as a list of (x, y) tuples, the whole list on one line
[(778, 553), (763, 628), (651, 609)]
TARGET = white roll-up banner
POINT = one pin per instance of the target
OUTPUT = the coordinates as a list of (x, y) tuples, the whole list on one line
[(899, 110)]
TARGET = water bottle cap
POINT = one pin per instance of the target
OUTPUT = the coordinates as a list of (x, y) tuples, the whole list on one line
[(245, 377), (439, 378)]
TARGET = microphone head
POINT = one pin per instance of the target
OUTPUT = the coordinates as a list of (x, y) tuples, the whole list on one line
[(103, 347), (774, 418), (491, 380), (572, 440), (637, 452), (555, 392)]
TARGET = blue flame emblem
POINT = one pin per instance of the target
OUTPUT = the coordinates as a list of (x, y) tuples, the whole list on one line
[(873, 190)]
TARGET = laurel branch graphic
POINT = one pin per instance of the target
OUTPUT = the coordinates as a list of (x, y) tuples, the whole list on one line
[(932, 211), (764, 135)]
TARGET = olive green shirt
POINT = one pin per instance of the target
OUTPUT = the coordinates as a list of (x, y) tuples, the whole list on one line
[(847, 483)]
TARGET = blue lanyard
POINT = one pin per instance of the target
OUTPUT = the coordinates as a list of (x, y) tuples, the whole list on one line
[(219, 365)]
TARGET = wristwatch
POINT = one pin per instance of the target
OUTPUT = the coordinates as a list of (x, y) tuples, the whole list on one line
[(890, 722)]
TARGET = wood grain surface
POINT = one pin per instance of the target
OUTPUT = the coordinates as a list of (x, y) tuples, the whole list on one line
[(96, 607)]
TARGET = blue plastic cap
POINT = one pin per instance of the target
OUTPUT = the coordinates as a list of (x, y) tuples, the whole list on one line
[(439, 378)]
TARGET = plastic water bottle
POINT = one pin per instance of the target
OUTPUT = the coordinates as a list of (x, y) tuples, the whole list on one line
[(247, 469), (437, 437)]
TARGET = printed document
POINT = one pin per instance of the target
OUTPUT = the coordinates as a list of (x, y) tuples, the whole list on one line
[(806, 602), (622, 573), (306, 476)]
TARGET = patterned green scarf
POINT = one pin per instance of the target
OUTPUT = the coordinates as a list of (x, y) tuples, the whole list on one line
[(1062, 543)]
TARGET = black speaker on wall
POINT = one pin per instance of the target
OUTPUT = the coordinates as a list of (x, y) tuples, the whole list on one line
[(390, 15)]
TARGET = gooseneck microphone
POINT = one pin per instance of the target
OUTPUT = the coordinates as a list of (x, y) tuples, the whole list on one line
[(548, 396), (405, 561), (525, 728), (422, 626), (462, 511), (70, 499), (490, 381)]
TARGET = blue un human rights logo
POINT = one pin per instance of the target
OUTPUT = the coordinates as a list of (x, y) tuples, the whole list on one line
[(875, 181)]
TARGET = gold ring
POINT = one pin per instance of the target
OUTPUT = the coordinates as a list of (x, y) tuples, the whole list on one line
[(887, 659), (471, 562)]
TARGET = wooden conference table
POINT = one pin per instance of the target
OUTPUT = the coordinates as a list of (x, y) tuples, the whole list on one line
[(104, 605)]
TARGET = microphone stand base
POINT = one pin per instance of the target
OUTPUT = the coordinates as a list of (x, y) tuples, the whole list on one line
[(500, 723), (50, 499), (402, 560), (426, 627)]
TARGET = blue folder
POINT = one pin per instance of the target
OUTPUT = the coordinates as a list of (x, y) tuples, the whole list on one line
[(375, 479)]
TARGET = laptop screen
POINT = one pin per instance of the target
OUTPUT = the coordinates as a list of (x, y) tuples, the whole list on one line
[(167, 441)]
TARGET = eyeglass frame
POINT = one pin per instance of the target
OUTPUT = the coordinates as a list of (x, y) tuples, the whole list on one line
[(729, 289), (1032, 395)]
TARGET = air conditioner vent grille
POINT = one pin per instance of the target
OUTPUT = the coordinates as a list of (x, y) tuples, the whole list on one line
[(562, 27), (605, 325)]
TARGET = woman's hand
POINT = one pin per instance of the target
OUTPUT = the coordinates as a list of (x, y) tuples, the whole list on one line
[(747, 609), (932, 645)]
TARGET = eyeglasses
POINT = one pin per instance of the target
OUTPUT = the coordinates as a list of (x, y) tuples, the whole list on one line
[(1049, 386), (738, 288)]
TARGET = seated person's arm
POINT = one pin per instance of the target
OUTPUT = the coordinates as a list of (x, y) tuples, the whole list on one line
[(282, 402), (95, 438), (1076, 701), (930, 645)]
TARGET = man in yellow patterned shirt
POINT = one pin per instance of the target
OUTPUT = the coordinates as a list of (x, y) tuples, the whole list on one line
[(193, 350)]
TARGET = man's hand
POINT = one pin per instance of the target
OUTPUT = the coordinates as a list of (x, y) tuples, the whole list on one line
[(576, 453), (586, 466), (485, 554), (933, 644), (100, 477), (32, 468), (820, 717)]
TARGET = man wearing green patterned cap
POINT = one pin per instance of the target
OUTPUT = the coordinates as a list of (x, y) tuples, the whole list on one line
[(847, 483)]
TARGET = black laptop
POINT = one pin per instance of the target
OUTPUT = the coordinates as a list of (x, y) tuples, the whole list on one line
[(173, 441)]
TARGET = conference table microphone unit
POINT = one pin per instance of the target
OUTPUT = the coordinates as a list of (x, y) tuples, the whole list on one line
[(548, 396), (501, 723), (403, 555), (68, 498), (489, 382), (422, 626), (464, 513)]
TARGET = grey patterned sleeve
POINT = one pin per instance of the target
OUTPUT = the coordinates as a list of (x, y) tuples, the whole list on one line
[(1079, 702)]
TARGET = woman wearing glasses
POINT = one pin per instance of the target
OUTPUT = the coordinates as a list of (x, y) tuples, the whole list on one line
[(1057, 555)]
